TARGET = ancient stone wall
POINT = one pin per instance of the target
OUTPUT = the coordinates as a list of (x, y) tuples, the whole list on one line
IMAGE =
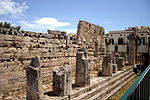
[(54, 48), (17, 49), (91, 36)]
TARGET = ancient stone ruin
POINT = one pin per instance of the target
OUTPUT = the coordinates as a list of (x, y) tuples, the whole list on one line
[(107, 68), (17, 48), (62, 84), (112, 63), (120, 63), (82, 68), (54, 48), (133, 47), (91, 36), (34, 82), (66, 64)]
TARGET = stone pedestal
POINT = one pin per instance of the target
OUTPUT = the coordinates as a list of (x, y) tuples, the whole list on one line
[(115, 68), (107, 66), (62, 80), (34, 82), (82, 69), (120, 63)]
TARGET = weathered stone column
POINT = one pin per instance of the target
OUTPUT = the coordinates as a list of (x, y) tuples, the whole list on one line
[(132, 48), (62, 80), (115, 68), (82, 68), (120, 63), (107, 67), (34, 82), (114, 65)]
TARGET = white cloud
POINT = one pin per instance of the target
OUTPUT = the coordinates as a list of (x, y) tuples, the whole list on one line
[(29, 25), (43, 24), (51, 22), (14, 8)]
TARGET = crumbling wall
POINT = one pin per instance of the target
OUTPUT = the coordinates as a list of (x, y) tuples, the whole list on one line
[(54, 48), (17, 49), (91, 36)]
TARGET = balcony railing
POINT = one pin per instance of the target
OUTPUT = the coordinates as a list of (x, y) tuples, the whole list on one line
[(140, 90)]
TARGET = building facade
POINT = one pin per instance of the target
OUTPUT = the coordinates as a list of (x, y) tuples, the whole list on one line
[(117, 41)]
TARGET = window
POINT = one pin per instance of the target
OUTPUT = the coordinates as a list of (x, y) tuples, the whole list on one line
[(120, 41), (142, 41), (111, 41)]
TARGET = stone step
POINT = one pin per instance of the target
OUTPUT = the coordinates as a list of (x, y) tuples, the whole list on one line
[(97, 83), (110, 90), (120, 86), (93, 91)]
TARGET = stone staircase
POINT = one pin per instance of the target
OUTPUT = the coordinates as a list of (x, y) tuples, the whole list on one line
[(101, 88)]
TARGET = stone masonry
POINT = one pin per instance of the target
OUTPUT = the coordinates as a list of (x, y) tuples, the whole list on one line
[(91, 36), (54, 48), (114, 65), (62, 84), (132, 47), (107, 68), (82, 68), (121, 63), (17, 48), (34, 82)]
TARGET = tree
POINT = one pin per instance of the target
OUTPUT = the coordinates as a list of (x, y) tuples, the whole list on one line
[(8, 25), (18, 28), (1, 24)]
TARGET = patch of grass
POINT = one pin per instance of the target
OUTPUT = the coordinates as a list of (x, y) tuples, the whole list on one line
[(123, 90)]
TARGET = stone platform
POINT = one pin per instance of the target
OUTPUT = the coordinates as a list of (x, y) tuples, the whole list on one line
[(100, 87)]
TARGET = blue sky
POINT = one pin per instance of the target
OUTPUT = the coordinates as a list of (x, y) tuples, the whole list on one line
[(40, 15)]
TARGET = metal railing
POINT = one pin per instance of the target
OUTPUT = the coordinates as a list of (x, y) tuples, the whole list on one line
[(140, 90)]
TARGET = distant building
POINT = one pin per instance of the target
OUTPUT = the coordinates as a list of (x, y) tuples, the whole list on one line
[(117, 41)]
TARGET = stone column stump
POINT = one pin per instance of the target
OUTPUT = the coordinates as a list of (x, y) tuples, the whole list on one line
[(34, 82), (120, 63), (82, 68), (62, 80), (107, 66), (115, 68)]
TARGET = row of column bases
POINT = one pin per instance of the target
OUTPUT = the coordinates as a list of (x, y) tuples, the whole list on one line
[(62, 84)]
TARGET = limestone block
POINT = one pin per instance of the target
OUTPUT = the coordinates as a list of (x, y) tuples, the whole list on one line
[(82, 68), (120, 63), (107, 70), (113, 60), (34, 82), (62, 80), (107, 66), (115, 68), (3, 82)]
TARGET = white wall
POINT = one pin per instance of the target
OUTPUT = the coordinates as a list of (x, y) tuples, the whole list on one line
[(123, 48), (115, 36)]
